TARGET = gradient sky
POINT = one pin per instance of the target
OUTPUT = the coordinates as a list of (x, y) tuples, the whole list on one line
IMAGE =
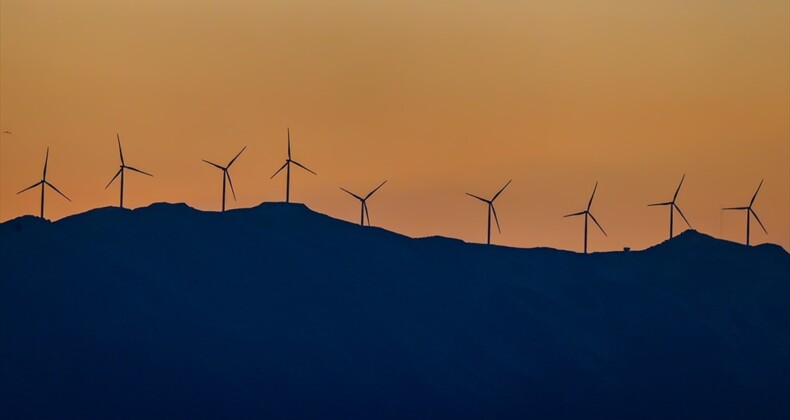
[(438, 97)]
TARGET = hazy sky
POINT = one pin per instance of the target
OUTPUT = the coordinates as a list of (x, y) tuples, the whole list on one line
[(438, 97)]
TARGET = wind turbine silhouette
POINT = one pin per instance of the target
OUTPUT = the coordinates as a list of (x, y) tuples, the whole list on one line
[(587, 214), (226, 176), (287, 167), (44, 183), (123, 168), (364, 211), (750, 212), (491, 210), (673, 207)]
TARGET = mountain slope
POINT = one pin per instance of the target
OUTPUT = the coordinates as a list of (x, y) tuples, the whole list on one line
[(278, 311)]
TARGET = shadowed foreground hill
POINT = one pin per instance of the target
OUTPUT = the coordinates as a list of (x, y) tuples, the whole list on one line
[(277, 311)]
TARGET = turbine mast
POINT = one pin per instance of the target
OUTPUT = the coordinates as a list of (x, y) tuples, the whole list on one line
[(43, 186), (586, 215), (748, 220), (488, 238), (224, 182), (122, 171)]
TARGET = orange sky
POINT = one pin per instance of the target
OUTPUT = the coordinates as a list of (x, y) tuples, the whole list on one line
[(438, 97)]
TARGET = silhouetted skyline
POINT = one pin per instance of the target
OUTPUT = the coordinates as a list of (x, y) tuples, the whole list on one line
[(437, 100), (364, 212)]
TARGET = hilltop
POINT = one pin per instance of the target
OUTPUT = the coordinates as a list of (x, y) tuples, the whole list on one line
[(280, 312)]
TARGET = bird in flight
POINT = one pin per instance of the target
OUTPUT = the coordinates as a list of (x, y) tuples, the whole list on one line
[(6, 132)]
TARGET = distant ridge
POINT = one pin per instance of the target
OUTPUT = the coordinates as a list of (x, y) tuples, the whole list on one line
[(694, 240), (277, 311), (689, 238)]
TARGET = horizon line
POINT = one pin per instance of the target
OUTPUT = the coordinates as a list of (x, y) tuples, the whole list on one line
[(356, 225)]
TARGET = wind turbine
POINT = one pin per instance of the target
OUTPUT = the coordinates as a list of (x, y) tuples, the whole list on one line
[(491, 210), (587, 214), (44, 183), (364, 211), (226, 176), (287, 167), (672, 208), (749, 213), (123, 168)]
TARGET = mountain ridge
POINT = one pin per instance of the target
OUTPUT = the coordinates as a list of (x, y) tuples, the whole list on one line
[(281, 312), (273, 209)]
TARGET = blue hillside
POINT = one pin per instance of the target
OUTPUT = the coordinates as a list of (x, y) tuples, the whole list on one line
[(280, 312)]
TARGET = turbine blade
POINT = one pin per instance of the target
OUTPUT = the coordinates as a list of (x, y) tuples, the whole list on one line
[(289, 143), (236, 157), (500, 191), (598, 224), (281, 168), (674, 197), (376, 189), (575, 214), (31, 187), (592, 196), (113, 178), (213, 164), (230, 182), (758, 221), (57, 190), (46, 161), (120, 150), (682, 215), (354, 195), (479, 198), (496, 219), (137, 170), (660, 204), (755, 193), (735, 208), (367, 213), (303, 167)]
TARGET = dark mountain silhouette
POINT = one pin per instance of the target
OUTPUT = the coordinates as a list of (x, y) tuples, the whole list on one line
[(280, 312)]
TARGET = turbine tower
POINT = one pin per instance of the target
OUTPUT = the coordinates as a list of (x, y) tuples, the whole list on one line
[(587, 215), (749, 213), (44, 183), (123, 168), (287, 167), (491, 210), (672, 207), (364, 201), (226, 176)]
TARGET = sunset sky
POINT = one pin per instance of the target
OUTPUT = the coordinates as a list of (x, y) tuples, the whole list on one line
[(438, 97)]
